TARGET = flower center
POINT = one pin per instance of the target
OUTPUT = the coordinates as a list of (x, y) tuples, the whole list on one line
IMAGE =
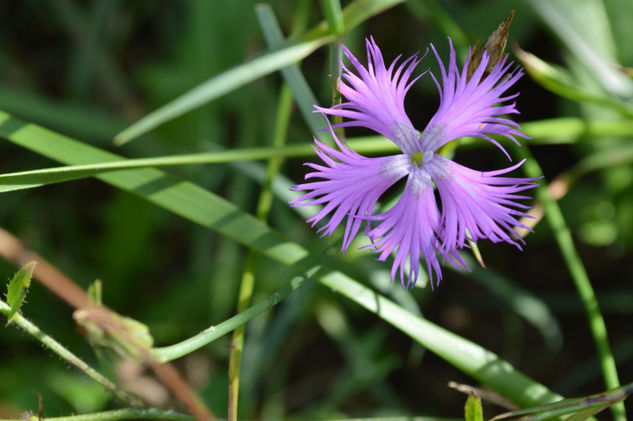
[(421, 158)]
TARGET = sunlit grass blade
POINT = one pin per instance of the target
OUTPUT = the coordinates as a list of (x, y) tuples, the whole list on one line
[(467, 356), (552, 131), (222, 84), (200, 206), (242, 74)]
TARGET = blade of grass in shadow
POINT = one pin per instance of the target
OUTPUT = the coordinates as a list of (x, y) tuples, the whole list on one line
[(301, 91), (522, 302), (198, 205)]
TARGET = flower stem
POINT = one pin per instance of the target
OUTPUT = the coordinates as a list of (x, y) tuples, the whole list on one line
[(284, 110), (68, 356), (123, 414), (581, 280)]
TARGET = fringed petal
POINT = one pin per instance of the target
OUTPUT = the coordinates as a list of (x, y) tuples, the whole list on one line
[(475, 106), (409, 230), (375, 96), (478, 204), (349, 186)]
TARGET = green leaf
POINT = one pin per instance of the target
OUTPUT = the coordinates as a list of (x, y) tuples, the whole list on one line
[(207, 209), (473, 410), (17, 289)]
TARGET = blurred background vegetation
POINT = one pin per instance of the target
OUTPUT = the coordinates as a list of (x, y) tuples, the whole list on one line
[(90, 68)]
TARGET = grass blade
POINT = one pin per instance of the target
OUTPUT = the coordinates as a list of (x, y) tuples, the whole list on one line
[(551, 131), (222, 84), (238, 76)]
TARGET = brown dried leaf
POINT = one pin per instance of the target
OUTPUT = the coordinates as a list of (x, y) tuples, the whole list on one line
[(495, 46)]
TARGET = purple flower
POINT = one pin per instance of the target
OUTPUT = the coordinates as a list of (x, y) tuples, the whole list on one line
[(474, 204)]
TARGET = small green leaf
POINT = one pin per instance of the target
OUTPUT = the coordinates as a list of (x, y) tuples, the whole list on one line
[(473, 410), (18, 287), (94, 292)]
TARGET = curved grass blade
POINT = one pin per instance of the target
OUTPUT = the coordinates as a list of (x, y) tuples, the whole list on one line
[(222, 84), (225, 82), (198, 205), (560, 81), (172, 352)]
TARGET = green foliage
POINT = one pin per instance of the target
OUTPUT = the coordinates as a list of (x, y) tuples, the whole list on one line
[(17, 289)]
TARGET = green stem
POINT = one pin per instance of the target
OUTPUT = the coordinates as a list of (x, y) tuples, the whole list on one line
[(334, 16), (580, 278), (122, 414), (247, 284), (172, 352), (68, 356)]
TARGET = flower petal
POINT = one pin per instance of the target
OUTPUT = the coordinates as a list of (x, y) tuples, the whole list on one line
[(472, 107), (375, 97), (477, 204), (409, 228), (350, 186)]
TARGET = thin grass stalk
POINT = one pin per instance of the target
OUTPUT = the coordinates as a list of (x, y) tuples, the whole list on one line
[(581, 280), (66, 355), (284, 109), (119, 414)]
